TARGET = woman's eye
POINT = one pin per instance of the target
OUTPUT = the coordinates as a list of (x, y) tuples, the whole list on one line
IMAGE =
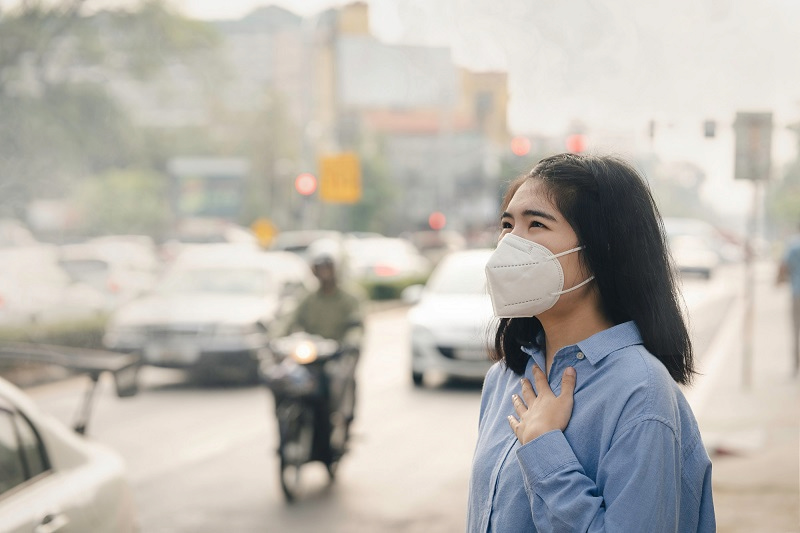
[(536, 224), (506, 225)]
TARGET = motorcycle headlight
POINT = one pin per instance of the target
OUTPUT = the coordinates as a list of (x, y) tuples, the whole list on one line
[(305, 352)]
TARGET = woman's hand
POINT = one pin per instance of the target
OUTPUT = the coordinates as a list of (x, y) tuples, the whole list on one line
[(545, 412)]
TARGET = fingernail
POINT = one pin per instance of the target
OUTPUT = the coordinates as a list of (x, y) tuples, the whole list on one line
[(514, 397), (570, 371)]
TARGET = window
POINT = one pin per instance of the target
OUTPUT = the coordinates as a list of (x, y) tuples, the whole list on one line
[(22, 454), (12, 468), (33, 452)]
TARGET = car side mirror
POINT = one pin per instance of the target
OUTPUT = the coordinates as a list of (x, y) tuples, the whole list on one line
[(126, 381), (412, 294)]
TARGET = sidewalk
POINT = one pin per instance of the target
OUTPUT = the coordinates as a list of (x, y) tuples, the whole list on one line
[(753, 434)]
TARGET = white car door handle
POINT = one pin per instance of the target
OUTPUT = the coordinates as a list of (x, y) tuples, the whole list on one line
[(51, 522)]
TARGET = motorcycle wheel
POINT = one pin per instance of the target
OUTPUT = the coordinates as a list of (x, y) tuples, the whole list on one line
[(340, 427), (297, 435)]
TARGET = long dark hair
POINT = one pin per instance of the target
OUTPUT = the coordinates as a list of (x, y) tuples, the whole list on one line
[(609, 206)]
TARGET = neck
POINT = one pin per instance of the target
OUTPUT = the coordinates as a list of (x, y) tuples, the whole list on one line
[(566, 329), (327, 288)]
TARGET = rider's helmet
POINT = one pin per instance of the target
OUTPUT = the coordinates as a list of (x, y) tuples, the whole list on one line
[(325, 252)]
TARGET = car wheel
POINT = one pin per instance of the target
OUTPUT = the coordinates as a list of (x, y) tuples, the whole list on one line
[(416, 377)]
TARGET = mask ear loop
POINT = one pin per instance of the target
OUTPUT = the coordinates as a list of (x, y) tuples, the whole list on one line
[(569, 251), (579, 285)]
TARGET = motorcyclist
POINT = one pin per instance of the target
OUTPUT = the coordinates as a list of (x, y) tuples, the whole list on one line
[(333, 312)]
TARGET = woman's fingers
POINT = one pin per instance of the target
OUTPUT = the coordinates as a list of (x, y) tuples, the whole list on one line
[(528, 394), (514, 423), (519, 405), (541, 381)]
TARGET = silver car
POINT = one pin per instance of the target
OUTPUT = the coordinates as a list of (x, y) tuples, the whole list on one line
[(450, 322), (213, 311)]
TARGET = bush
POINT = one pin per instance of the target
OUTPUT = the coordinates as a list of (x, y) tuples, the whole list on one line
[(390, 290), (79, 334)]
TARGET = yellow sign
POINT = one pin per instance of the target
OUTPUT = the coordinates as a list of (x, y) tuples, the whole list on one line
[(340, 178), (265, 231)]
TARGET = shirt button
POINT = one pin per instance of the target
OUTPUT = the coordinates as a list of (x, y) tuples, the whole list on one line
[(579, 355)]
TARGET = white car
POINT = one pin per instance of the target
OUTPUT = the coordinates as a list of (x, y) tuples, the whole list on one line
[(450, 323), (386, 260), (120, 267), (35, 289), (215, 309), (52, 478)]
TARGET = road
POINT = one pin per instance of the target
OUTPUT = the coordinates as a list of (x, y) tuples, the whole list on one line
[(202, 459)]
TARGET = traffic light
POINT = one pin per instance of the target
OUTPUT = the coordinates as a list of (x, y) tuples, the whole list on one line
[(576, 143), (520, 146), (437, 220)]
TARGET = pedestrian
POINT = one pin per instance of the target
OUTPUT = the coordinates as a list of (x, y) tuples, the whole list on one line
[(582, 424), (789, 270)]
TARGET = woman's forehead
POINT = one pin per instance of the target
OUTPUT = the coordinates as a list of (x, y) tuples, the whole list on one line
[(532, 194)]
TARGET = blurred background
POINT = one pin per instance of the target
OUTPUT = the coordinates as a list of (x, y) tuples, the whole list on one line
[(141, 141)]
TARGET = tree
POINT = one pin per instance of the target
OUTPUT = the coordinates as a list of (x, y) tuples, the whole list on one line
[(123, 201), (58, 120)]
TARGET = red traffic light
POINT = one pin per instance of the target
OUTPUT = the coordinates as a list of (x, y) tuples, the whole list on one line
[(520, 146), (437, 220), (306, 184), (576, 143)]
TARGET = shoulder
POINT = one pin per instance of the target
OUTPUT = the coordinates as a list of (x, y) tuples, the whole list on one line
[(497, 379), (353, 293), (645, 387)]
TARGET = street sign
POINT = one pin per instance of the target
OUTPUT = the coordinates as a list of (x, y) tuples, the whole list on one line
[(340, 178), (753, 146), (264, 230)]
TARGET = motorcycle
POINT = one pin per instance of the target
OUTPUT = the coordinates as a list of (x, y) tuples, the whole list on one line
[(313, 382)]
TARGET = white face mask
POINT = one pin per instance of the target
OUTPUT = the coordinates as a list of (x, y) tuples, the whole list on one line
[(525, 278)]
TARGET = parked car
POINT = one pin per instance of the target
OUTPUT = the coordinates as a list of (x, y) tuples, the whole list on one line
[(35, 289), (450, 320), (201, 230), (386, 262), (695, 245), (120, 267), (214, 310), (52, 478), (436, 244)]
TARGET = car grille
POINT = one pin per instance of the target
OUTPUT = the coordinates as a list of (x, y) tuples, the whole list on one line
[(179, 331)]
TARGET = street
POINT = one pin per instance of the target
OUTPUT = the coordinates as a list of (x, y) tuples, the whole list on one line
[(202, 459)]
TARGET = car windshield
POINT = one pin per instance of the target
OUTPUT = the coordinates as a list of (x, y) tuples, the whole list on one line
[(218, 281), (459, 274)]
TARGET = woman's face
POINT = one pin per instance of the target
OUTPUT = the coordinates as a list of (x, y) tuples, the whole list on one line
[(531, 215)]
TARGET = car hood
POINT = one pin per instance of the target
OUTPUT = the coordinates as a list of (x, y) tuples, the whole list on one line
[(199, 308), (454, 319)]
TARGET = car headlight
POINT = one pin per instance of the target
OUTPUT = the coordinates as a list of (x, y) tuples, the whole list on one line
[(422, 335)]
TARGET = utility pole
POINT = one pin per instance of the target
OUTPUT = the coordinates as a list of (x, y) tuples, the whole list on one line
[(753, 132)]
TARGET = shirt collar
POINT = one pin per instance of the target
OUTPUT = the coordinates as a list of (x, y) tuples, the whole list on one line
[(599, 345)]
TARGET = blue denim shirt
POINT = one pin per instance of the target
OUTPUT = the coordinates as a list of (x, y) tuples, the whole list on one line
[(630, 460), (792, 259)]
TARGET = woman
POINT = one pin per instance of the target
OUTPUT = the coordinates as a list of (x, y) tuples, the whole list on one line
[(582, 424)]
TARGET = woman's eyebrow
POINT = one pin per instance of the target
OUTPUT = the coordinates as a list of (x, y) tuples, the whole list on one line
[(530, 213)]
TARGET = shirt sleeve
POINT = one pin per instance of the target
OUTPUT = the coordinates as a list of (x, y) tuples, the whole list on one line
[(637, 489)]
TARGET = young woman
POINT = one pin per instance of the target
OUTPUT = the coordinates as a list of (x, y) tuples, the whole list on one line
[(582, 424)]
